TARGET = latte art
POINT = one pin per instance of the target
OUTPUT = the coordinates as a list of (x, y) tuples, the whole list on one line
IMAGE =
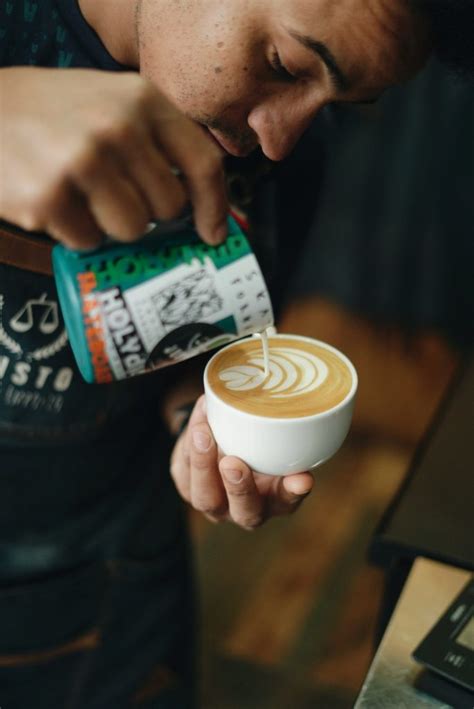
[(304, 378), (292, 373)]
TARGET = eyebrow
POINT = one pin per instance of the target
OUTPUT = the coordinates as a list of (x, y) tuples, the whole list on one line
[(321, 50)]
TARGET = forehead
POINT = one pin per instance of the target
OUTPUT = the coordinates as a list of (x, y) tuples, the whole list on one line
[(377, 42)]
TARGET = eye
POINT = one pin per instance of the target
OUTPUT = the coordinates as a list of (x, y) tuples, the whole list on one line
[(280, 69), (366, 102), (361, 102)]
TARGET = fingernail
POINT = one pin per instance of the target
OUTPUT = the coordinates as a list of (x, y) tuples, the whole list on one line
[(298, 499), (297, 486), (298, 496), (220, 234), (202, 441), (204, 405), (232, 475)]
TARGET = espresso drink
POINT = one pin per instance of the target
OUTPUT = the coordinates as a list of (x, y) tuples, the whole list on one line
[(303, 378)]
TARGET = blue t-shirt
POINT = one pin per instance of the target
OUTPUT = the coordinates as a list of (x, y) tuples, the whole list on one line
[(50, 33), (71, 453)]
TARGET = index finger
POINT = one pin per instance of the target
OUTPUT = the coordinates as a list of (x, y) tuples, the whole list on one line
[(245, 502), (201, 161), (198, 415)]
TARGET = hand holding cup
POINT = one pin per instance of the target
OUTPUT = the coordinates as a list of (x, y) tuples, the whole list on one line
[(225, 488)]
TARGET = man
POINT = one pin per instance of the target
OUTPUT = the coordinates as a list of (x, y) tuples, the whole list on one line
[(95, 606)]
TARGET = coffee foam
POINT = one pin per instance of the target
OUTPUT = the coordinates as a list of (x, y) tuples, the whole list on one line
[(304, 378)]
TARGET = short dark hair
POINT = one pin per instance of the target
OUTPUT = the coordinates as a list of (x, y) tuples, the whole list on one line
[(452, 28)]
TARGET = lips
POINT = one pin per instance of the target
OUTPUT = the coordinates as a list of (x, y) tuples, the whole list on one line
[(228, 146)]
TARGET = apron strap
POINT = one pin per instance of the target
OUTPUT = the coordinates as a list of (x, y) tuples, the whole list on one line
[(25, 251)]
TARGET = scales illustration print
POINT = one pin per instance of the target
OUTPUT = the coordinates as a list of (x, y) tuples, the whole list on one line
[(38, 311)]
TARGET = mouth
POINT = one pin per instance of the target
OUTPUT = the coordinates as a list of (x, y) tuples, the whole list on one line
[(228, 146)]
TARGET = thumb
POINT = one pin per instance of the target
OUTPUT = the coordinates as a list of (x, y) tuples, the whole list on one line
[(294, 488)]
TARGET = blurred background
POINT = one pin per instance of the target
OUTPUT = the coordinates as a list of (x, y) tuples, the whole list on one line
[(366, 239)]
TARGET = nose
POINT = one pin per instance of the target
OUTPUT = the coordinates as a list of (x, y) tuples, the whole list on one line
[(280, 124)]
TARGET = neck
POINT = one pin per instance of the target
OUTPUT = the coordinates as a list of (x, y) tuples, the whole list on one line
[(115, 24)]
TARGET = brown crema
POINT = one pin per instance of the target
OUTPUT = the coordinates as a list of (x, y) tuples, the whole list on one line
[(304, 378)]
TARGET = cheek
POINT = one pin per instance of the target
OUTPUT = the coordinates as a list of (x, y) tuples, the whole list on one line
[(214, 89), (184, 82), (202, 81)]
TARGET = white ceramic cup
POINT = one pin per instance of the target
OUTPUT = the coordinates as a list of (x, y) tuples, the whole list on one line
[(280, 446)]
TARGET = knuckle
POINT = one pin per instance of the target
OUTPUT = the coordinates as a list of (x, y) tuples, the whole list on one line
[(138, 221), (139, 89), (28, 220), (250, 522), (112, 133), (54, 195), (202, 461), (168, 213), (173, 207), (83, 163), (291, 508), (131, 230), (183, 491), (71, 239), (106, 131), (37, 206), (202, 429), (180, 482), (130, 223), (209, 507), (238, 490), (175, 468), (123, 133), (295, 503)]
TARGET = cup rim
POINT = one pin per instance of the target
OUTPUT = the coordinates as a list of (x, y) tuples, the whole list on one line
[(294, 419)]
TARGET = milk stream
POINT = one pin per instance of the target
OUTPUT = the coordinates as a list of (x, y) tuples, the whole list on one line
[(266, 353), (282, 372)]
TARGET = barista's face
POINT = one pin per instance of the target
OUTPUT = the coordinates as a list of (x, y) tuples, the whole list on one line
[(257, 71)]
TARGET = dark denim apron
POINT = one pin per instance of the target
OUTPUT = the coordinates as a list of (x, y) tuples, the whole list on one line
[(96, 603)]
